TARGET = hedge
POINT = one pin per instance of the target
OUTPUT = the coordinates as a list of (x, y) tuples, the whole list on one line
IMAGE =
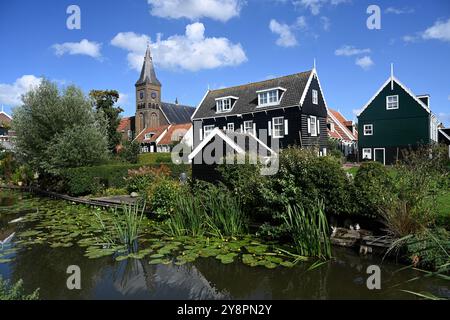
[(92, 180)]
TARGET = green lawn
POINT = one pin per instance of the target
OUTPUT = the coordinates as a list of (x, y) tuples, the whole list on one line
[(155, 158), (443, 205)]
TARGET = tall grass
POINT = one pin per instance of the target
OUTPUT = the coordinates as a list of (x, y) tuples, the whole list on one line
[(429, 249), (125, 225), (309, 230), (188, 217), (225, 215), (215, 213)]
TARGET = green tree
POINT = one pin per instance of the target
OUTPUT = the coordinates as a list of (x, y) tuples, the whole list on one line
[(130, 151), (104, 101), (57, 130)]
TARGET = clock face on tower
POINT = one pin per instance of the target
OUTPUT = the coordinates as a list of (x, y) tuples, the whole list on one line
[(154, 95)]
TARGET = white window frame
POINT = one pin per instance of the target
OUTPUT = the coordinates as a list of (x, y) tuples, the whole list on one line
[(276, 127), (221, 102), (315, 97), (395, 105), (364, 151), (248, 127), (230, 127), (313, 121), (207, 130), (366, 128), (264, 97)]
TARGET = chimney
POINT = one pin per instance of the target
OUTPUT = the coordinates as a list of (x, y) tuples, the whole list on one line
[(425, 98)]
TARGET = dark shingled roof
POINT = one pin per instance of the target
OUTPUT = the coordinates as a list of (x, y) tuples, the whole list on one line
[(148, 74), (176, 113), (248, 98)]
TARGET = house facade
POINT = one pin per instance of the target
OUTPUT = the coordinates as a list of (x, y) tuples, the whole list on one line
[(291, 110), (344, 132), (394, 120), (153, 116)]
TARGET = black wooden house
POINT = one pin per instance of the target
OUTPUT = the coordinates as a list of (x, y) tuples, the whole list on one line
[(290, 111)]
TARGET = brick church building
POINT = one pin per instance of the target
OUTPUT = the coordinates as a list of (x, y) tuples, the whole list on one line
[(154, 119)]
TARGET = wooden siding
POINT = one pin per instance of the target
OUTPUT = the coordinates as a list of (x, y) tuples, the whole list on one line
[(397, 129)]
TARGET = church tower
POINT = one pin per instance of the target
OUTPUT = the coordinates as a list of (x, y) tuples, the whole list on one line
[(148, 97)]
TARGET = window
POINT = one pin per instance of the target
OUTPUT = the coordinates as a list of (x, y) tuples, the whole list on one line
[(278, 127), (248, 127), (368, 129), (313, 126), (150, 135), (225, 104), (130, 134), (367, 154), (141, 95), (207, 130), (269, 97), (315, 97), (391, 102), (230, 127)]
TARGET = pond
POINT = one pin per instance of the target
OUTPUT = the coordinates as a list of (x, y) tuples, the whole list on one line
[(44, 263)]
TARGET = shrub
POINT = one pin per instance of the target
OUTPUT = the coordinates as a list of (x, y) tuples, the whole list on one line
[(139, 180), (114, 192), (15, 291), (161, 196), (304, 178), (8, 164), (417, 182), (253, 190), (373, 186), (93, 180), (23, 175), (130, 151)]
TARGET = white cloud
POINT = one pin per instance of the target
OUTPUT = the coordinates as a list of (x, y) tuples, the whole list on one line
[(286, 37), (394, 10), (10, 94), (84, 47), (439, 31), (123, 99), (191, 51), (409, 38), (316, 5), (349, 51), (222, 10), (365, 62), (326, 23)]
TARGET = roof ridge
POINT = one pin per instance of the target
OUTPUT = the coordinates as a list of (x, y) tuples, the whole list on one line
[(261, 82)]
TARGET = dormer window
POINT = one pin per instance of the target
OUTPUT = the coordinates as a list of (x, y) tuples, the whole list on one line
[(225, 104), (150, 135), (270, 97)]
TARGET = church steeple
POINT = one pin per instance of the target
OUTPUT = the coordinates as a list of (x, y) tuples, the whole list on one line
[(148, 74)]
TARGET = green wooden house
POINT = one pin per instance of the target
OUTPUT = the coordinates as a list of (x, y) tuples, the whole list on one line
[(394, 120)]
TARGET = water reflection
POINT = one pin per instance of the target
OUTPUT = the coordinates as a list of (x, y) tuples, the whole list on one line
[(206, 278)]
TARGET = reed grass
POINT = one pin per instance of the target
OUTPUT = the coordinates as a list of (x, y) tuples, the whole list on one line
[(309, 230), (125, 225)]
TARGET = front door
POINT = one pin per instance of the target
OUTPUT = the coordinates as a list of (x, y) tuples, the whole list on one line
[(380, 156)]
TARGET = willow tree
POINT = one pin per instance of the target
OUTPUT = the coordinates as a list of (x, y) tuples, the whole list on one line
[(59, 129)]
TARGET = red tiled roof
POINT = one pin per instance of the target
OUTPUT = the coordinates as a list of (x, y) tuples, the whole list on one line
[(156, 133), (178, 129), (5, 118), (341, 127), (124, 124)]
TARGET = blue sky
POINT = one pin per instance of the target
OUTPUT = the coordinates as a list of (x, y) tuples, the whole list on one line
[(227, 42)]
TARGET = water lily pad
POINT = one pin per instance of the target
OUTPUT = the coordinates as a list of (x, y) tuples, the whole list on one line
[(159, 261), (226, 258)]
